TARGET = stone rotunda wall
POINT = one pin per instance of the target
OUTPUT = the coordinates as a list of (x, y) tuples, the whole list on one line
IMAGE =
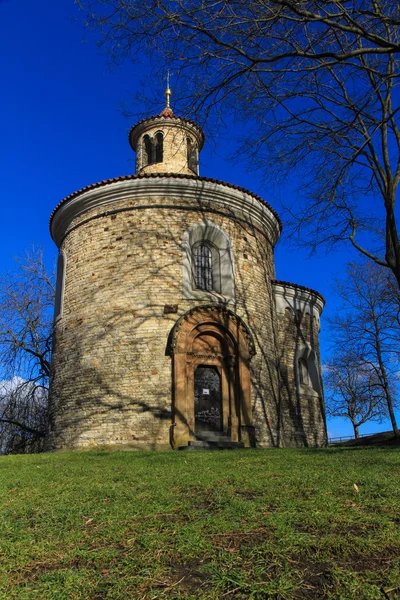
[(298, 312), (137, 334), (123, 294)]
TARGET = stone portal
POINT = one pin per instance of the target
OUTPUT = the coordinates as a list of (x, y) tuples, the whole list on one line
[(211, 349)]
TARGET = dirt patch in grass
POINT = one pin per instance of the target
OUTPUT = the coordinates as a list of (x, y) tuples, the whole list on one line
[(36, 570), (360, 564), (355, 529), (249, 494), (233, 540), (316, 576), (189, 577), (349, 529), (354, 564), (315, 579), (206, 500), (302, 528)]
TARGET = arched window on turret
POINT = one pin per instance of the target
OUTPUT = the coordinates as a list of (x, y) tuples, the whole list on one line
[(191, 155), (152, 149), (203, 268), (159, 147), (147, 151)]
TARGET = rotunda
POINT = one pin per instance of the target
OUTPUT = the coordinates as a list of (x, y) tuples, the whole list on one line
[(171, 330)]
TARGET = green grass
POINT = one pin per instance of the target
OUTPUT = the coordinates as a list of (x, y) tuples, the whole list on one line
[(279, 524)]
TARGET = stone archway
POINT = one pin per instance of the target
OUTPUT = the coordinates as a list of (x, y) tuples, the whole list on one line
[(214, 340)]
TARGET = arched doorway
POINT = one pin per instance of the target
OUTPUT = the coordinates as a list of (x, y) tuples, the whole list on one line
[(211, 349)]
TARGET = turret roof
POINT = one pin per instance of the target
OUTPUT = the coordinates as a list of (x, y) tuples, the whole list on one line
[(167, 114)]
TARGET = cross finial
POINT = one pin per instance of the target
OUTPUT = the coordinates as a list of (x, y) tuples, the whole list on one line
[(168, 93)]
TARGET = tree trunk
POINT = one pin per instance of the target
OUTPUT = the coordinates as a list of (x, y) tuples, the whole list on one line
[(392, 415), (392, 254), (386, 386), (356, 432)]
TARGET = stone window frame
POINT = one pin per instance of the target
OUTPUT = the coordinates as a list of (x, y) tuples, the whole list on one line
[(158, 147), (304, 375), (152, 149), (308, 379), (146, 150), (60, 285), (192, 155), (215, 237)]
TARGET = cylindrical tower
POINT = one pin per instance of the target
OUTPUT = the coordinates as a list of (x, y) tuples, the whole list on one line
[(166, 144), (165, 320)]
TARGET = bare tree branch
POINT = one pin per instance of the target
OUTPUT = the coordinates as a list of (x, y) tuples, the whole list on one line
[(316, 83), (26, 315), (362, 376)]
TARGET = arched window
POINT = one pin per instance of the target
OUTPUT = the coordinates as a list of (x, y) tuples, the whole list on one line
[(303, 372), (203, 271), (308, 376), (152, 149), (207, 262), (147, 151), (191, 155), (60, 283), (159, 147)]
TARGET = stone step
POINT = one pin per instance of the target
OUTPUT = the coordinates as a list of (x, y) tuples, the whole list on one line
[(212, 437), (222, 444)]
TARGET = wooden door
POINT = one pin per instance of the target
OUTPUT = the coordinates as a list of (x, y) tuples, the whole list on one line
[(207, 400)]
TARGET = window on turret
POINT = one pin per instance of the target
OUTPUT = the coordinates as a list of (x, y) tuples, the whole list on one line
[(147, 150), (203, 271), (153, 149), (191, 155), (159, 147)]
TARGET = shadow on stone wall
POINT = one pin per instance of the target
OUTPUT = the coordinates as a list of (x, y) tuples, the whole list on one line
[(112, 381)]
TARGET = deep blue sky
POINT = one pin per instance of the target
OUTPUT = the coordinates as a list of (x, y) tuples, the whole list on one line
[(61, 129)]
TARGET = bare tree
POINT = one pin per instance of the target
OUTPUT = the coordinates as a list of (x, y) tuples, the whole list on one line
[(23, 416), (365, 333), (316, 81), (26, 314), (353, 391)]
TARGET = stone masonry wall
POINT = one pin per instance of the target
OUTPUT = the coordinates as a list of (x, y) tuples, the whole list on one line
[(303, 416), (174, 152), (123, 294)]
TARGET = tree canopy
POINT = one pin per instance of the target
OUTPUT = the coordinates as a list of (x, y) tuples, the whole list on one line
[(353, 390), (315, 81), (362, 372)]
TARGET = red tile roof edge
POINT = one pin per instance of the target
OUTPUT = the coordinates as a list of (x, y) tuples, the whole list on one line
[(167, 116), (161, 175)]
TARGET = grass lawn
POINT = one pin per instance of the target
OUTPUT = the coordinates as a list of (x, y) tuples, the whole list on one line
[(279, 524)]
